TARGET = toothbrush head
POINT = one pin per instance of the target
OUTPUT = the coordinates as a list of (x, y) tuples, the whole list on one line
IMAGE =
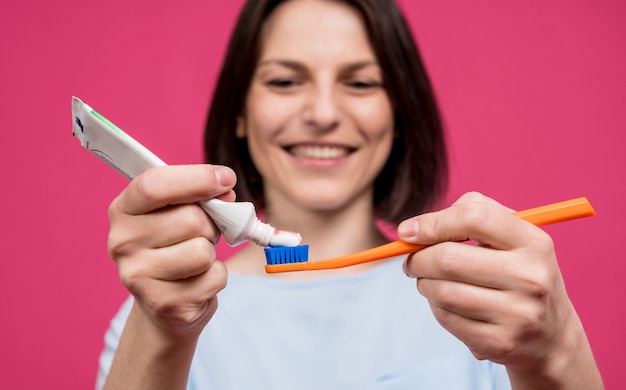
[(286, 254)]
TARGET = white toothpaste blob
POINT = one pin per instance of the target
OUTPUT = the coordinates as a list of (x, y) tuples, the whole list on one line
[(236, 220), (285, 238)]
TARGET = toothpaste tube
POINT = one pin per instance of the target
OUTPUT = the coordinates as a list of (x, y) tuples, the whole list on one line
[(236, 220)]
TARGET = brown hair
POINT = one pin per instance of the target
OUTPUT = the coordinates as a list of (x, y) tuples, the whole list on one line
[(416, 171)]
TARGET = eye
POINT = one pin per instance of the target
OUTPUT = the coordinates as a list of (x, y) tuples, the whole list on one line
[(282, 83), (362, 85)]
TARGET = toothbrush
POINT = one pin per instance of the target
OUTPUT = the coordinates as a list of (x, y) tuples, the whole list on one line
[(295, 258)]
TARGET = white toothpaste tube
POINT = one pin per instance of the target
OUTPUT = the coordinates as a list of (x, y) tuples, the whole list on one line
[(236, 220)]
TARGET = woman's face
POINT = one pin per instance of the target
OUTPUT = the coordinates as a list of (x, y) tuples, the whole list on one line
[(318, 122)]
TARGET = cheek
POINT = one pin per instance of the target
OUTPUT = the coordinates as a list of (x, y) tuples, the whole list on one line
[(260, 123), (377, 124), (376, 120), (258, 117), (259, 144), (267, 115), (263, 123)]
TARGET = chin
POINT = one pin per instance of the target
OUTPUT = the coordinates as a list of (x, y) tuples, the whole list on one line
[(323, 201)]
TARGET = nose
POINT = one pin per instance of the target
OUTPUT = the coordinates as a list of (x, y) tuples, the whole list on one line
[(321, 111)]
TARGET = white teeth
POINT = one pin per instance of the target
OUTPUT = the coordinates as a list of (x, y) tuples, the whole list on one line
[(319, 152)]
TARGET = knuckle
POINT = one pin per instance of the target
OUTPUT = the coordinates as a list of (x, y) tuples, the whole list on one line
[(114, 211), (209, 175), (167, 307), (476, 215), (194, 219), (544, 244), (428, 227), (443, 316), (131, 275), (505, 347), (219, 278), (146, 184), (204, 179), (159, 306), (479, 355), (118, 246), (203, 248), (538, 285), (449, 260), (509, 341), (530, 319), (534, 283), (447, 296), (472, 197), (538, 279)]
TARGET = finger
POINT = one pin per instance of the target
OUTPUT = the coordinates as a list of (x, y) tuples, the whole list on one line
[(206, 284), (533, 272), (464, 263), (179, 223), (484, 339), (170, 185), (466, 300), (170, 225), (161, 228), (474, 217), (182, 261), (183, 301)]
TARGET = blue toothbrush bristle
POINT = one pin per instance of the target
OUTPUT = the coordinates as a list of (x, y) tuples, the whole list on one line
[(287, 254)]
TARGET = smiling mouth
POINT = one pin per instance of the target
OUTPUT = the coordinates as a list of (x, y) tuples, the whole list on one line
[(319, 152)]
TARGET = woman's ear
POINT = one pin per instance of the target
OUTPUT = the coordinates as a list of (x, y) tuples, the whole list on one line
[(240, 132)]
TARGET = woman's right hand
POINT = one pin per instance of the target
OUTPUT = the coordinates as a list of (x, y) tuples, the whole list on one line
[(162, 242)]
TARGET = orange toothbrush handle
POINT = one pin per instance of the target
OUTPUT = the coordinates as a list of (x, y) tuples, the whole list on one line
[(540, 216), (558, 212)]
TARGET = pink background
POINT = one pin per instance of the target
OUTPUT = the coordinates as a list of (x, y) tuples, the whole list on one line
[(533, 94)]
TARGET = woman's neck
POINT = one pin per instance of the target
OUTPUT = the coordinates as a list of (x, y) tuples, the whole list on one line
[(330, 233)]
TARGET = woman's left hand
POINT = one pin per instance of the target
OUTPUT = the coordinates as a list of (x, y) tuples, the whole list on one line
[(505, 297)]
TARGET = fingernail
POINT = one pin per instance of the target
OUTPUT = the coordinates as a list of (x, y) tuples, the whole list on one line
[(405, 268), (223, 175), (408, 229)]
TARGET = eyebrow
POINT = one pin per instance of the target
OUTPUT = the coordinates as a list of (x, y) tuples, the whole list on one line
[(360, 65), (297, 66), (294, 65)]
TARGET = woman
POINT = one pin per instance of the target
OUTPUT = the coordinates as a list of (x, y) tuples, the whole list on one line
[(325, 113)]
